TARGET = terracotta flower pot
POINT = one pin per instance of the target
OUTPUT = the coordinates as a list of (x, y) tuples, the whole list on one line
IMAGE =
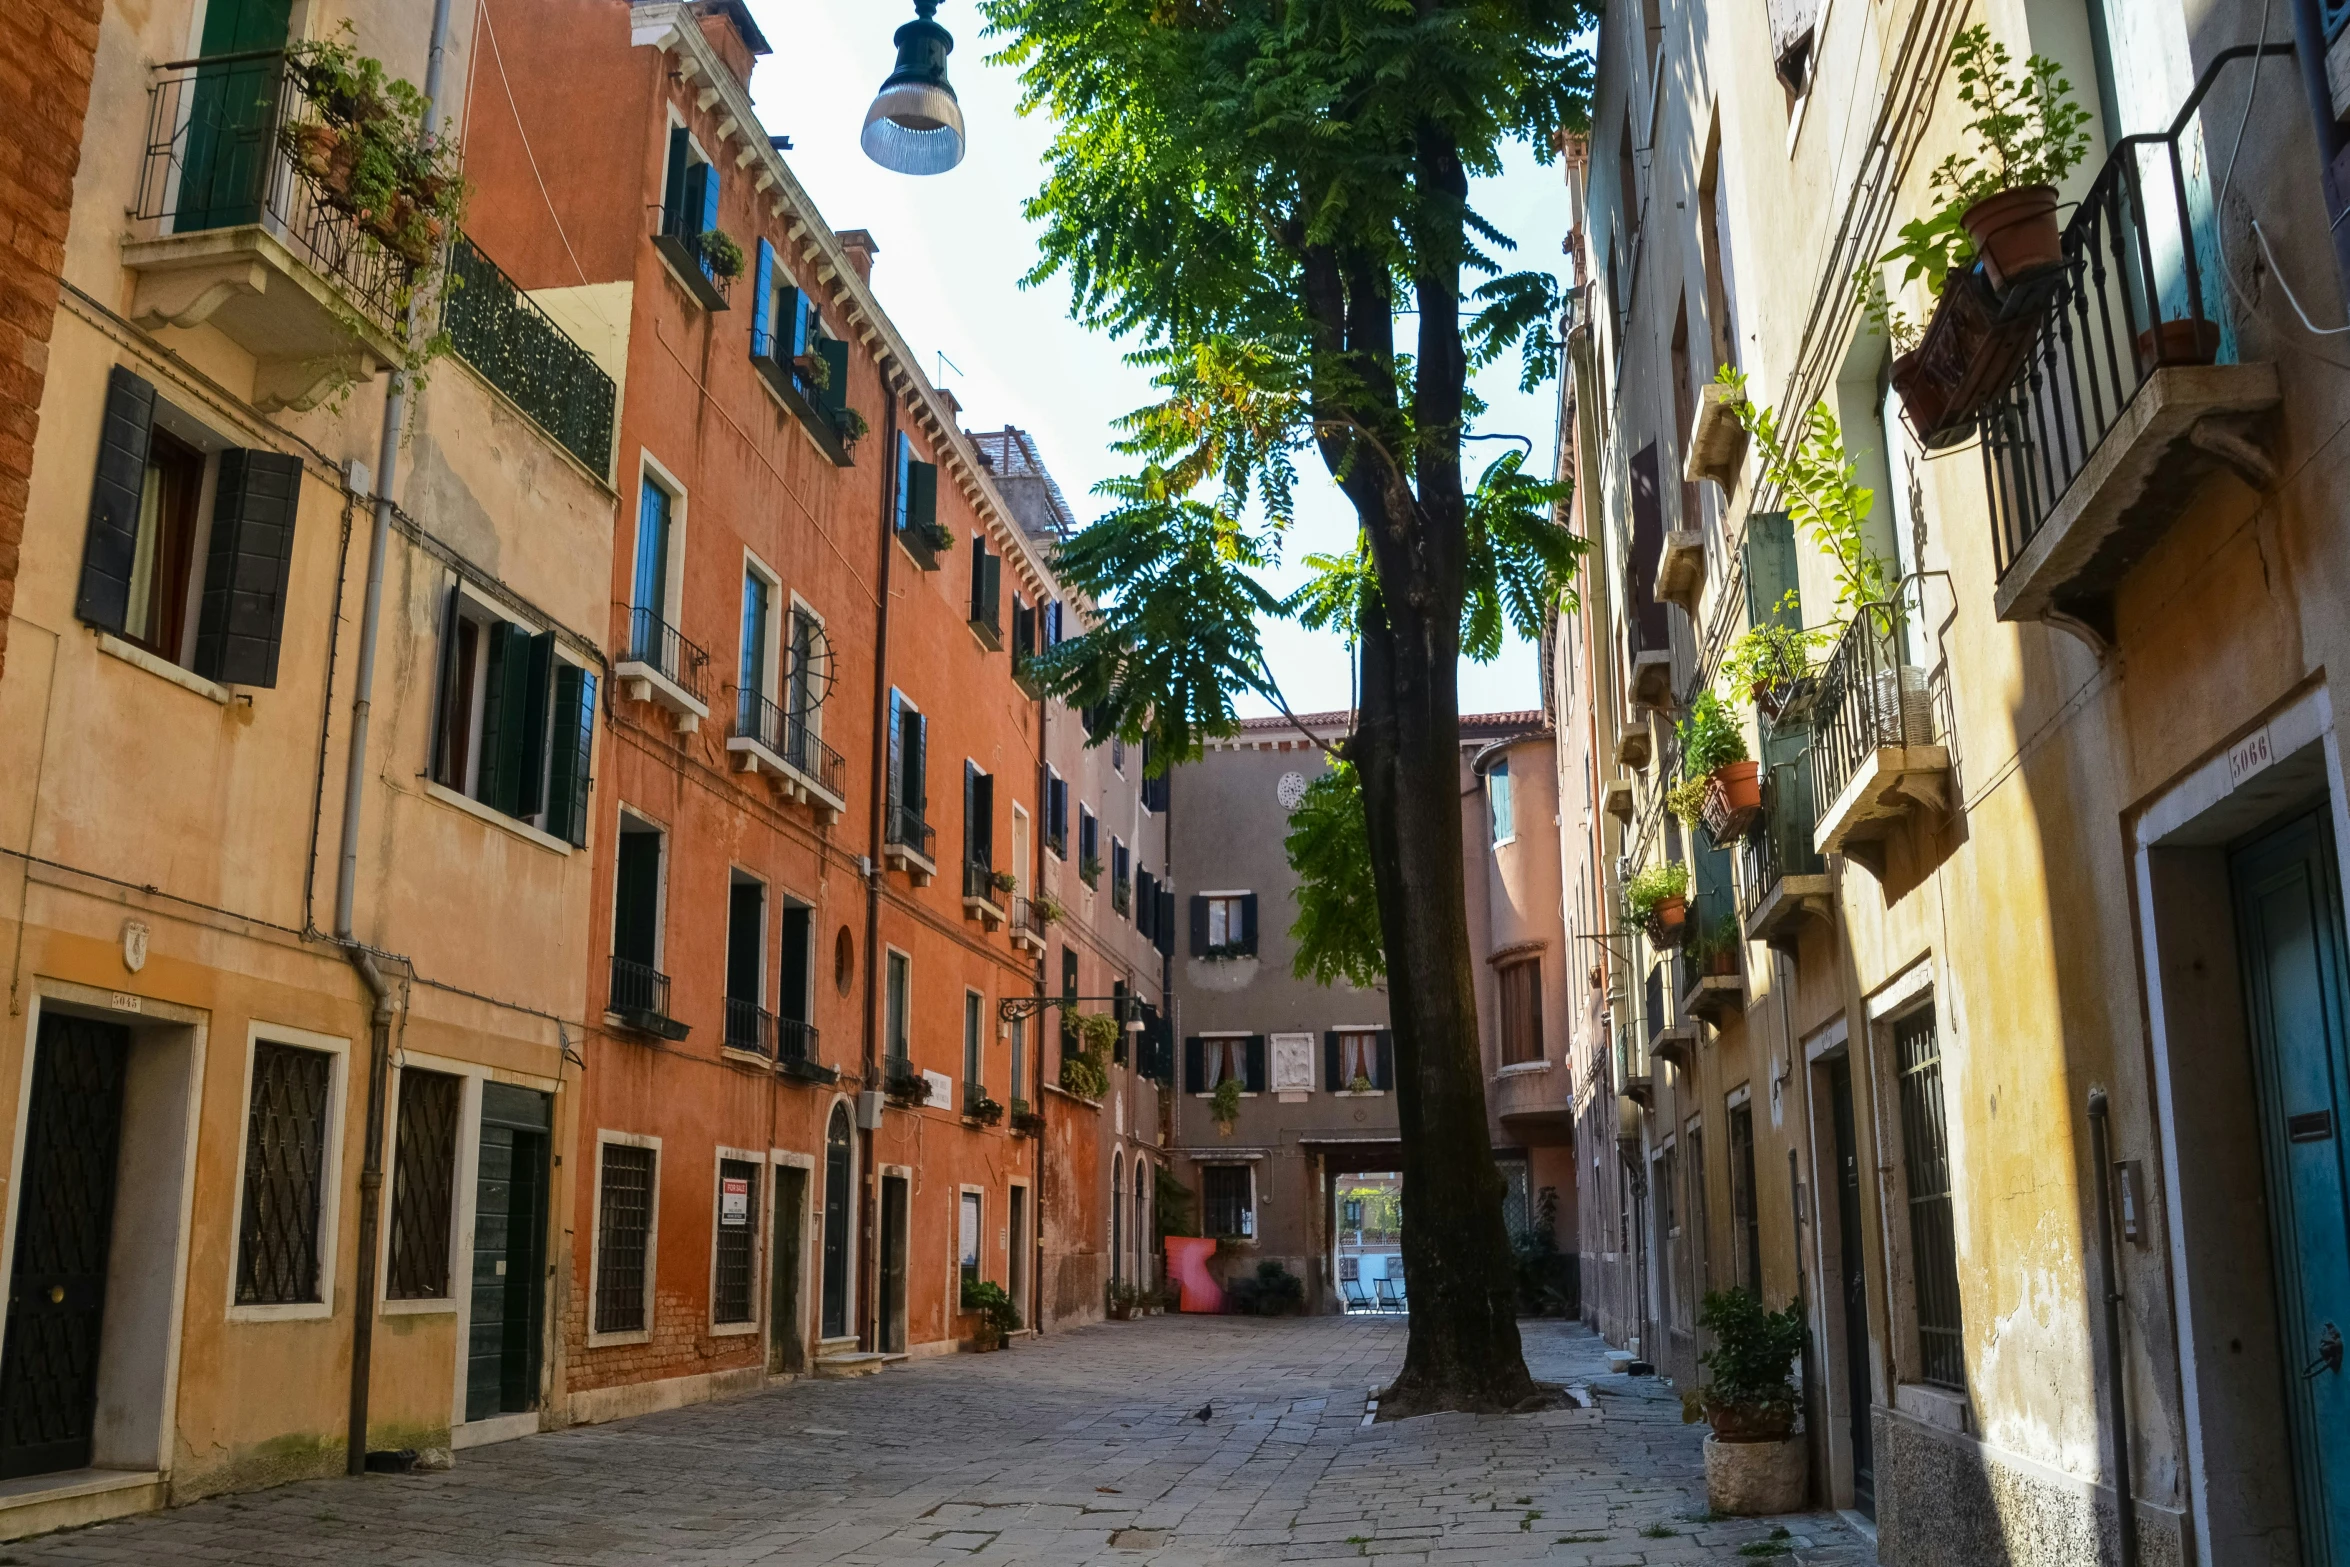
[(1924, 395), (1741, 785), (2016, 234), (2179, 342), (1673, 912)]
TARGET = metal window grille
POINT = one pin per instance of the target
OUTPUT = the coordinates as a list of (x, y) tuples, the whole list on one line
[(730, 1288), (285, 1164), (1224, 1199), (1925, 1150), (624, 1223), (424, 1173)]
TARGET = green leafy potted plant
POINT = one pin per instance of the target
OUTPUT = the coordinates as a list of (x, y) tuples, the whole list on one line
[(2032, 134), (1360, 1084), (853, 428), (370, 152), (1004, 881), (999, 1317), (1713, 747), (1715, 946), (1658, 900), (1049, 908), (986, 1111), (906, 1085), (1224, 1104), (1089, 870), (721, 254), (1824, 497), (1026, 1120), (1754, 1461), (1770, 663), (1085, 1069)]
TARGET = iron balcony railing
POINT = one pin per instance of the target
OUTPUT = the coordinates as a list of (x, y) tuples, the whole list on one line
[(2137, 290), (519, 349), (693, 247), (1027, 919), (657, 644), (639, 990), (979, 881), (819, 763), (795, 1042), (907, 830), (749, 1029), (1869, 696), (1780, 845), (216, 158)]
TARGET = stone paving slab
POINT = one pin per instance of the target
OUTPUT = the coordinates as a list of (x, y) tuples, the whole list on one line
[(1072, 1451)]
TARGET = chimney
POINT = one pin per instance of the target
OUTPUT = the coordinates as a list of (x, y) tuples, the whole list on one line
[(861, 248)]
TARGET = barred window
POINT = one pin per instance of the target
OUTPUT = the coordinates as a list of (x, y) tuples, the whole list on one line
[(738, 1207), (624, 1229), (285, 1169), (424, 1174), (1224, 1200), (1925, 1150)]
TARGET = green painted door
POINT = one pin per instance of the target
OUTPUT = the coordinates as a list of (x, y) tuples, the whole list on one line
[(232, 115), (509, 1254), (2290, 938), (786, 1348)]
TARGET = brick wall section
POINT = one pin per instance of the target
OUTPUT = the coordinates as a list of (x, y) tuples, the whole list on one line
[(46, 55)]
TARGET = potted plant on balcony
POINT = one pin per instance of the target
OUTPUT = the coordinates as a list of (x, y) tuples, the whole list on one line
[(2033, 134), (1004, 882), (1224, 1105), (1770, 664), (1027, 1120), (905, 1085), (1715, 946), (1713, 748), (1089, 870), (1658, 901), (1085, 1053), (721, 254), (999, 1317), (1754, 1461), (1049, 908), (986, 1111), (370, 153)]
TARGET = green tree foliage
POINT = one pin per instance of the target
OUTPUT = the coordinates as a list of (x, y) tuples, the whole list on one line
[(1329, 847)]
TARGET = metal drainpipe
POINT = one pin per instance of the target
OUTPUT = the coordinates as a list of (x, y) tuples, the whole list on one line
[(371, 1173), (1036, 851), (869, 1261), (2116, 1396)]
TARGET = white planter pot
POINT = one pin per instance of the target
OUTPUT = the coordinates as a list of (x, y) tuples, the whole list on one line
[(1756, 1479)]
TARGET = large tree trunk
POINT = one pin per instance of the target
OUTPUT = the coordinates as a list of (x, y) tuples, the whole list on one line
[(1464, 1351)]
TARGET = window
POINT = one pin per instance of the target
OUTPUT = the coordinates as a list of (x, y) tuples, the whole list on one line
[(899, 1004), (624, 1237), (806, 683), (206, 592), (1497, 796), (1925, 1157), (1227, 1204), (1521, 1011), (794, 1001), (1720, 279), (747, 1024), (1211, 1060), (1703, 1268), (514, 723), (1118, 755), (1121, 877), (909, 768), (758, 609), (655, 512), (978, 832), (1056, 814), (1154, 786), (285, 1170), (1358, 1060), (1089, 846), (967, 1233), (1746, 1226), (1353, 1219), (974, 1042), (918, 527), (806, 365), (689, 204), (1667, 1180), (639, 989), (1146, 905), (1224, 925), (1018, 1029), (987, 592), (424, 1180), (731, 1295)]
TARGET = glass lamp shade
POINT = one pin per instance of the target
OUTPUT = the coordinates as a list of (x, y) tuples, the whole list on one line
[(914, 128)]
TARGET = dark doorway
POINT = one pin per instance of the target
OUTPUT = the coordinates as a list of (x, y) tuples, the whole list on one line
[(509, 1253), (836, 1224), (1853, 1277), (64, 1230), (2290, 938), (891, 1337), (786, 1349)]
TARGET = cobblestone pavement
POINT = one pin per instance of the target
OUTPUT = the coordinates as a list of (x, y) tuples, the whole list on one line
[(1082, 1448)]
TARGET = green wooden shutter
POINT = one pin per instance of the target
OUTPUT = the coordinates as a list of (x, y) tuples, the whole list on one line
[(922, 497), (1772, 591), (444, 719), (1331, 1067), (1248, 925), (572, 736), (1199, 926), (983, 828), (505, 704), (991, 587), (243, 612), (531, 777), (111, 545), (1253, 1062), (918, 769), (834, 394), (673, 207)]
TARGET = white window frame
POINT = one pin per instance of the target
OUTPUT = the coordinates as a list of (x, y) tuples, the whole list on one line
[(770, 659), (756, 1219), (643, 1335), (963, 1194), (889, 951), (660, 889), (330, 1175), (475, 605), (1229, 1036), (672, 609), (463, 1172)]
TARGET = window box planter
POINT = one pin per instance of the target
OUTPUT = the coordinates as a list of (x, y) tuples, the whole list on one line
[(1733, 801), (1026, 1122), (1668, 923), (1717, 445), (1974, 343), (909, 1089), (986, 1111)]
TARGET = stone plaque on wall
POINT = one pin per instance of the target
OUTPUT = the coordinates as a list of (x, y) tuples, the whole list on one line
[(1293, 1062)]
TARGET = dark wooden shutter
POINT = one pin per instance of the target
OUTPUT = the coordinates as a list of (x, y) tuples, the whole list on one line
[(1195, 1065), (981, 831), (922, 497), (445, 719), (572, 738), (1386, 1069), (1199, 926), (1248, 925), (112, 541), (636, 918), (1330, 1062), (1255, 1065), (918, 767), (897, 762), (835, 392), (673, 185), (243, 614), (1652, 626), (991, 588), (538, 675), (1166, 941), (1146, 905), (503, 702)]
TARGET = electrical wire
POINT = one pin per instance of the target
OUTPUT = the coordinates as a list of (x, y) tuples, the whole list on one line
[(2220, 227)]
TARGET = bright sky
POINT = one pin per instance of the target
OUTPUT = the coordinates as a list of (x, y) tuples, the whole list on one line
[(954, 247)]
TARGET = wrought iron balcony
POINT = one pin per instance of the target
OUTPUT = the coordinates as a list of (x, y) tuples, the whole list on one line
[(983, 900), (1785, 879), (688, 251), (640, 999), (662, 667), (910, 843), (496, 328), (1873, 755), (795, 1052), (1027, 924), (749, 1029), (234, 233), (2131, 392), (802, 766)]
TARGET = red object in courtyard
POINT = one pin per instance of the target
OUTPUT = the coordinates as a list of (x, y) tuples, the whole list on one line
[(1187, 1265)]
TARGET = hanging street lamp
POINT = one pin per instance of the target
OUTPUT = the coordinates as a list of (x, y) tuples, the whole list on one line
[(915, 125)]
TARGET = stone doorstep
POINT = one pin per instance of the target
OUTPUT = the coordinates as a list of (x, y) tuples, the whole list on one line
[(72, 1498), (852, 1364)]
